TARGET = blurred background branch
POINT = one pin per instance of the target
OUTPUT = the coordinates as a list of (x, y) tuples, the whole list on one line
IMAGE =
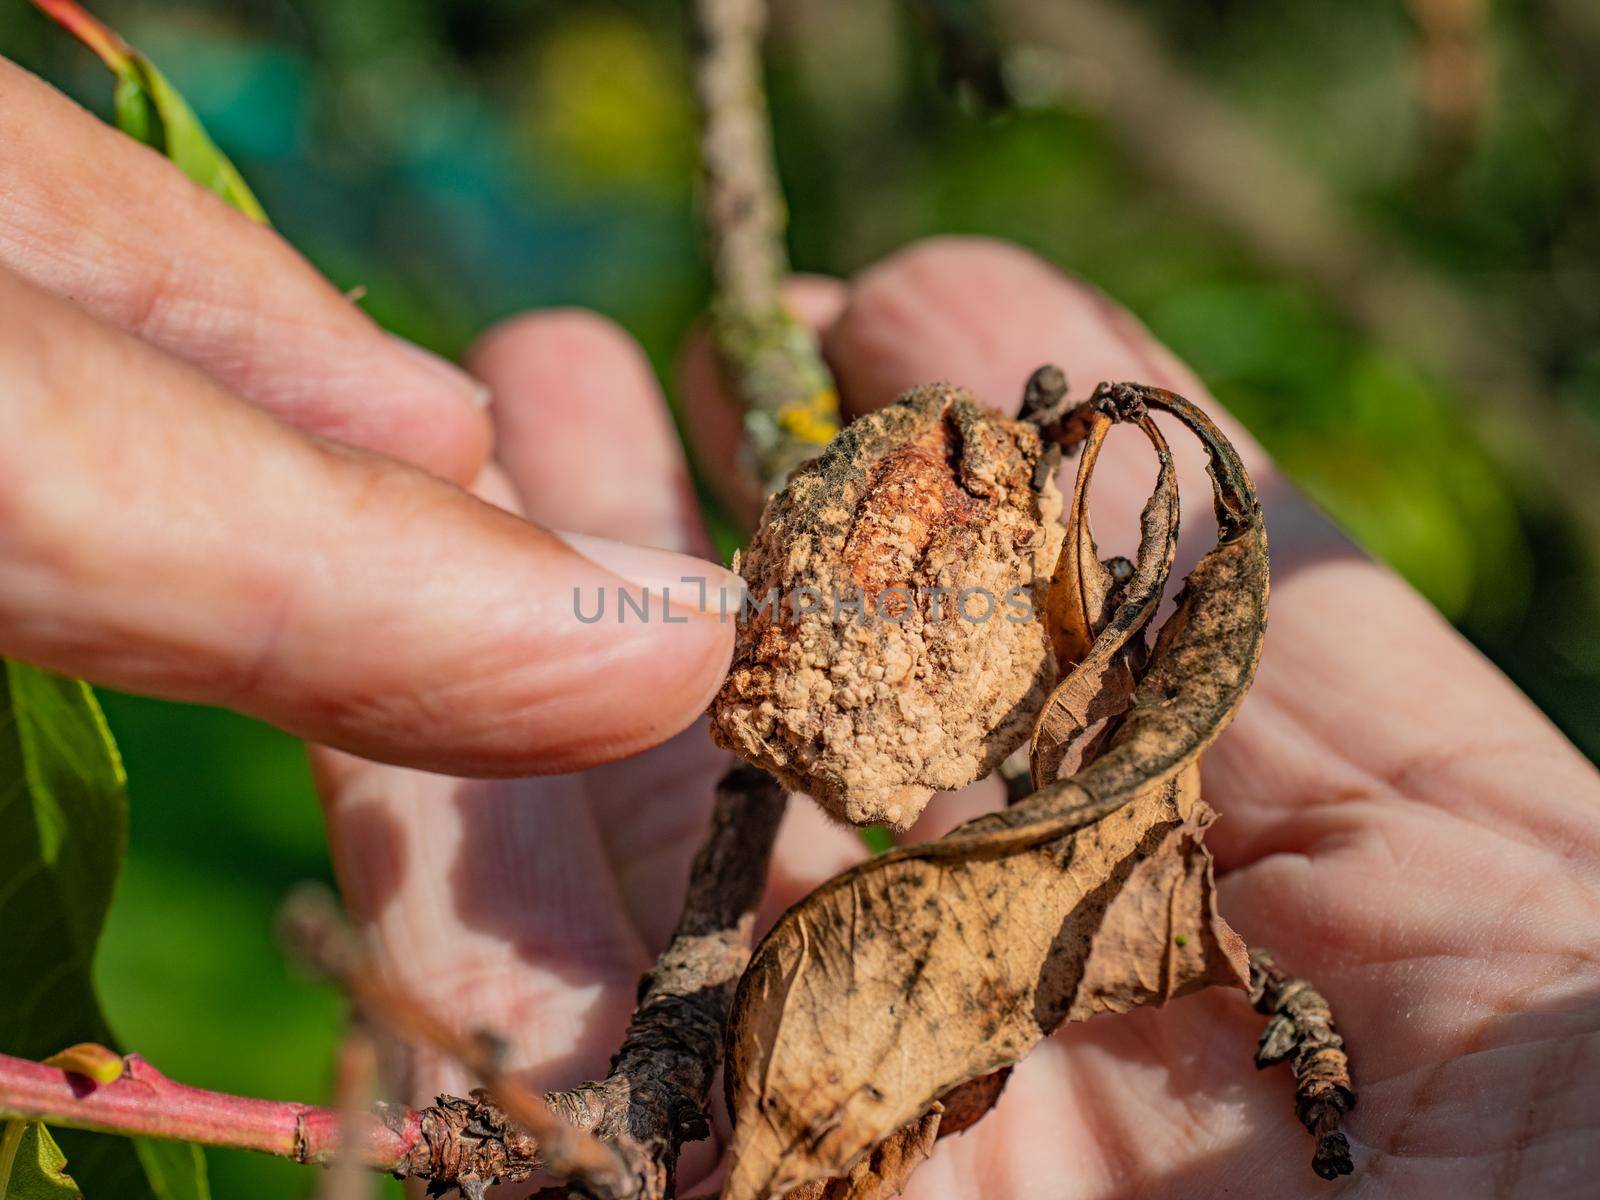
[(1454, 79), (1572, 29), (1183, 135)]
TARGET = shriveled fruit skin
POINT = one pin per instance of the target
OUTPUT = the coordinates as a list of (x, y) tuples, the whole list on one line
[(873, 711)]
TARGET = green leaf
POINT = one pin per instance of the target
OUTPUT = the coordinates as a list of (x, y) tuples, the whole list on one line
[(89, 1059), (63, 829), (32, 1165), (64, 809), (878, 839), (151, 110)]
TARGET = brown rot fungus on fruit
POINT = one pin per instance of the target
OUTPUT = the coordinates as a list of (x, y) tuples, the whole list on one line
[(891, 644)]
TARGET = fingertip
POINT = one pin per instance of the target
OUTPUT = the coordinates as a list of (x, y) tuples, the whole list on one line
[(678, 676), (563, 368), (558, 376), (434, 414), (971, 311), (625, 693), (583, 430), (524, 658), (505, 349), (634, 643)]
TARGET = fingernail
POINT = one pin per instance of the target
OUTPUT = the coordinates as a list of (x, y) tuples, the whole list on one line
[(445, 372), (692, 584)]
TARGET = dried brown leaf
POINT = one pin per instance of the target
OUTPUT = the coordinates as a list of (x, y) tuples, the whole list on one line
[(965, 1106), (883, 1171), (1080, 593), (929, 967), (1087, 605)]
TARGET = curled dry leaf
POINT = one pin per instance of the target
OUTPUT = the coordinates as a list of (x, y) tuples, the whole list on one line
[(883, 1171), (926, 968), (1095, 622), (890, 649), (932, 966), (1081, 594)]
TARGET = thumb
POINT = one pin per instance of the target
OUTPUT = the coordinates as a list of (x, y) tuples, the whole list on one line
[(161, 535)]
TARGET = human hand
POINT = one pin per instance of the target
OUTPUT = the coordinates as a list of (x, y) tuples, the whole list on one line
[(1399, 823), (203, 495)]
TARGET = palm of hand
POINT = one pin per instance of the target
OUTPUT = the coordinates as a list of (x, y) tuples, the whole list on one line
[(1444, 919), (1399, 825)]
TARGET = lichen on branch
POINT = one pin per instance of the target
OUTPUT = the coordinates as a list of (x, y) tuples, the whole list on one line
[(769, 357)]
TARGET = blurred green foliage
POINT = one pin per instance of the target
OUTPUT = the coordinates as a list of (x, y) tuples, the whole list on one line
[(463, 159)]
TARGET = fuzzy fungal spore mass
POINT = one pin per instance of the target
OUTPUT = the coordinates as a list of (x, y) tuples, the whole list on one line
[(903, 654)]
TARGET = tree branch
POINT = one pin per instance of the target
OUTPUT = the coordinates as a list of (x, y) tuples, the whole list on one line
[(654, 1099), (769, 358), (145, 1103), (616, 1138), (456, 1142), (1301, 1031), (534, 1131)]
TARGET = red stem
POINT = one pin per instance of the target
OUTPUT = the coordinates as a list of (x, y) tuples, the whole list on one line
[(89, 30), (145, 1103)]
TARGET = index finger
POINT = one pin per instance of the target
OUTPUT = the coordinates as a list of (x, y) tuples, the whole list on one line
[(94, 216), (158, 534)]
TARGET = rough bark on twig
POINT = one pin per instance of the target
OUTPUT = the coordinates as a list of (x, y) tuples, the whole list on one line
[(768, 357), (654, 1099), (618, 1137), (506, 1116), (1301, 1031)]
